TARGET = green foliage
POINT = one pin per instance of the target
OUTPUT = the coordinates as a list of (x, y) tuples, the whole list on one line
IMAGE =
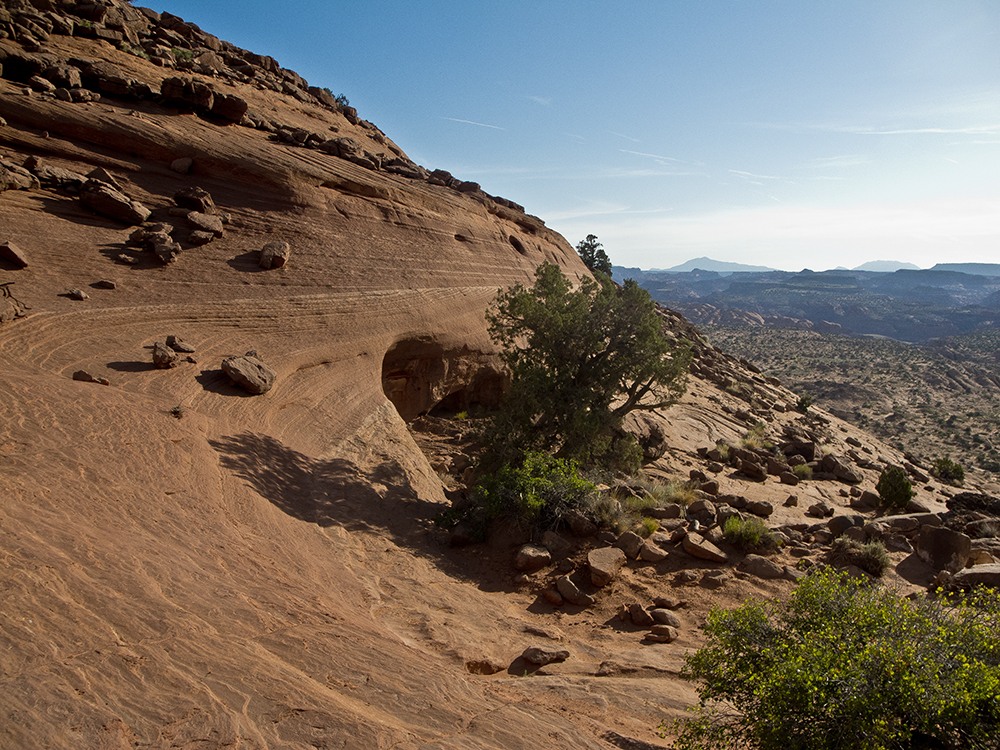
[(755, 438), (871, 557), (949, 471), (536, 492), (804, 403), (802, 471), (182, 54), (580, 360), (592, 253), (842, 666), (749, 534), (894, 487)]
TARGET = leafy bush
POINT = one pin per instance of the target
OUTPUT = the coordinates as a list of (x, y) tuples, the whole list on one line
[(894, 487), (843, 665), (948, 471), (871, 557), (755, 438), (749, 534), (803, 404), (802, 471), (723, 449), (538, 492)]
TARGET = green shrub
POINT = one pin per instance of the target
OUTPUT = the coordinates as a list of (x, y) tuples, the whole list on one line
[(948, 471), (803, 404), (870, 557), (537, 493), (894, 487), (845, 665), (723, 449), (802, 471), (182, 54), (648, 527), (749, 534)]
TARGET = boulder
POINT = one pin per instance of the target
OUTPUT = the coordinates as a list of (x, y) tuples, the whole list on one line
[(543, 656), (751, 470), (175, 343), (942, 548), (14, 254), (761, 567), (571, 592), (760, 508), (532, 557), (249, 372), (664, 616), (640, 617), (702, 511), (650, 552), (980, 575), (698, 546), (101, 198), (182, 165), (275, 254), (195, 198), (205, 223), (77, 294), (822, 509), (556, 544), (167, 250), (604, 564), (579, 524), (16, 177), (164, 357), (841, 469), (630, 543), (229, 107), (662, 634)]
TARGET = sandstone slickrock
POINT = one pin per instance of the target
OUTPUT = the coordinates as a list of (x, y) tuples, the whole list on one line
[(249, 372)]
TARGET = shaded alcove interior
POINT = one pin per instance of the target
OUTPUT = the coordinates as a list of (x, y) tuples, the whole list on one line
[(421, 376)]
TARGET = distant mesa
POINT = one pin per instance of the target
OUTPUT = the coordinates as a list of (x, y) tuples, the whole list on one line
[(720, 267), (975, 269), (887, 266)]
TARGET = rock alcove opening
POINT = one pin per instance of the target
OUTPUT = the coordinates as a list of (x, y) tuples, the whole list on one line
[(422, 376)]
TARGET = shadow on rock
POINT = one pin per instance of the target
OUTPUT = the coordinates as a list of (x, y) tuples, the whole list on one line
[(131, 366), (216, 381), (248, 262)]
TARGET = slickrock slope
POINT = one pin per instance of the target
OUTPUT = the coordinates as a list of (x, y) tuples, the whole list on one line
[(186, 565)]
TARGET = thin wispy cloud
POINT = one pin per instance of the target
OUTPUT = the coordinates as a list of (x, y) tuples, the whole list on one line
[(472, 122), (751, 176), (575, 137), (657, 157), (544, 101), (626, 137)]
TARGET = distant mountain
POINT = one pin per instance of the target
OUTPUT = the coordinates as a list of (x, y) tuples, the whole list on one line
[(976, 269), (719, 266), (887, 266)]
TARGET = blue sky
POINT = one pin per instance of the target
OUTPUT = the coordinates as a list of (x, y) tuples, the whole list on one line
[(788, 133)]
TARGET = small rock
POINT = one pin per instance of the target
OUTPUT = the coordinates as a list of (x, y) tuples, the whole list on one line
[(106, 284), (760, 508), (195, 198), (821, 509), (275, 255), (579, 524), (77, 294), (100, 173), (604, 564), (205, 222), (640, 617), (571, 592), (102, 198), (685, 576), (662, 634), (167, 251), (665, 617), (702, 511), (699, 547), (182, 165), (649, 552), (792, 501), (715, 579), (542, 656), (86, 377), (11, 252), (532, 557), (671, 510), (175, 343), (250, 373), (199, 237), (553, 597), (630, 543), (163, 357), (668, 602), (761, 567), (556, 544)]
